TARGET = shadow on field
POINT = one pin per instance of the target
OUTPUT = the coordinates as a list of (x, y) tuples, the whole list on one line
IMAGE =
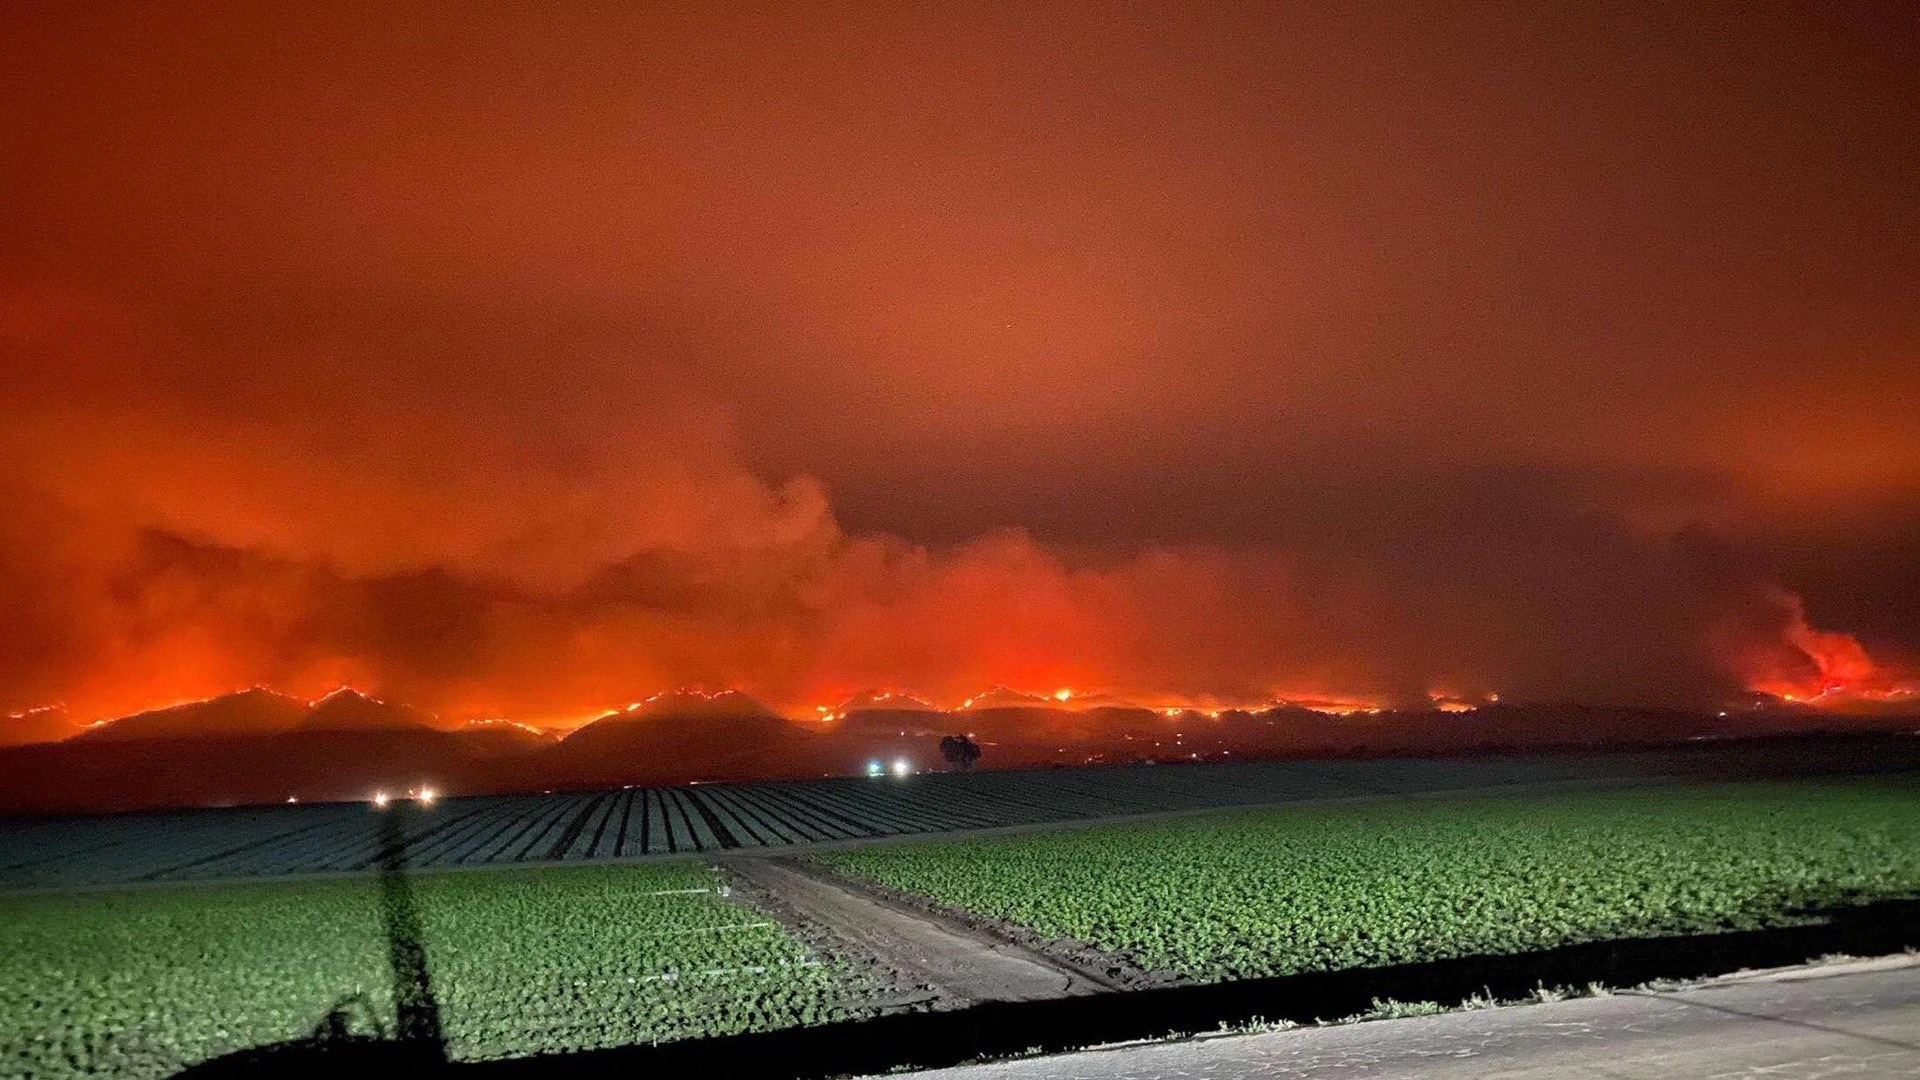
[(415, 1043), (928, 1040), (416, 1011)]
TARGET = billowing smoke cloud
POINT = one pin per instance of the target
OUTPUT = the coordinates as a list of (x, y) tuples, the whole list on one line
[(475, 584), (519, 366)]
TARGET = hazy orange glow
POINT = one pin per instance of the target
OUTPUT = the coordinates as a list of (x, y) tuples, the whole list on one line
[(1202, 358), (1168, 628)]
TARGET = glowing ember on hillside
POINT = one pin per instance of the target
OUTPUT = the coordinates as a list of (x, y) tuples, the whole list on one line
[(1835, 697), (1807, 665), (501, 722), (342, 692)]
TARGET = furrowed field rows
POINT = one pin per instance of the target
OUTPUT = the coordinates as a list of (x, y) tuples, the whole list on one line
[(634, 822), (141, 983), (1268, 893)]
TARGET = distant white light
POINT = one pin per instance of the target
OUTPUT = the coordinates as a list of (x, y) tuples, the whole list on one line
[(874, 768), (902, 767), (292, 798), (427, 796), (380, 799)]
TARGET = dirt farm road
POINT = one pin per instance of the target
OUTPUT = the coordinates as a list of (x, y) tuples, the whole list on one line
[(960, 965), (1854, 1019)]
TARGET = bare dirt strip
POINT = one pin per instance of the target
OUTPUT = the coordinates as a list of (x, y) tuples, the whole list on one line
[(954, 963)]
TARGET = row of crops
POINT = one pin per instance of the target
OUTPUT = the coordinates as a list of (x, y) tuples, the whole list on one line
[(145, 981), (142, 983), (1319, 888), (631, 822)]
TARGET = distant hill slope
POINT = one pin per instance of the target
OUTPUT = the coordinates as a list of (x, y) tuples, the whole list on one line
[(261, 747), (995, 697), (49, 723), (249, 712), (350, 710), (306, 765), (676, 738), (884, 701)]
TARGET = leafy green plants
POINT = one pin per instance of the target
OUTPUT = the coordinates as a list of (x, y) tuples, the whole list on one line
[(1278, 892), (143, 982)]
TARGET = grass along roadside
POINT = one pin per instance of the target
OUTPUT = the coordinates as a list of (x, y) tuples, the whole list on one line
[(1396, 1009)]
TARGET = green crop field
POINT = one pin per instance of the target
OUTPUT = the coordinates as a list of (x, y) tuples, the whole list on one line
[(140, 983), (1279, 892), (144, 981)]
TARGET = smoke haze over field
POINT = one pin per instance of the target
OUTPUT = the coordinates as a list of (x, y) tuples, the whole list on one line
[(526, 368)]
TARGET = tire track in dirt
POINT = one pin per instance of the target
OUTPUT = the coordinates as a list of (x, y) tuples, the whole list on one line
[(962, 964)]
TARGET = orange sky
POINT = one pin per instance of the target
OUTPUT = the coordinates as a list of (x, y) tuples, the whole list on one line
[(524, 363)]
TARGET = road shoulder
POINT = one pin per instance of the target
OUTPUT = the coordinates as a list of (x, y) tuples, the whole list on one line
[(1857, 1018)]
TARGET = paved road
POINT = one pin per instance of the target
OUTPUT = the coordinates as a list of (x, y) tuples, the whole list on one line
[(1855, 1020)]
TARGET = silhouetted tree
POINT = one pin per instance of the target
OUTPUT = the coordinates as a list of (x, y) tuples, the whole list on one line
[(960, 751)]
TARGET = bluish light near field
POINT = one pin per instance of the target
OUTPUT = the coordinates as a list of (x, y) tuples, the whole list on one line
[(874, 768)]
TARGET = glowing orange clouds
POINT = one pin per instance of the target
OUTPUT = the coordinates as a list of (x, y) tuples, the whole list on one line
[(820, 615), (1196, 356)]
